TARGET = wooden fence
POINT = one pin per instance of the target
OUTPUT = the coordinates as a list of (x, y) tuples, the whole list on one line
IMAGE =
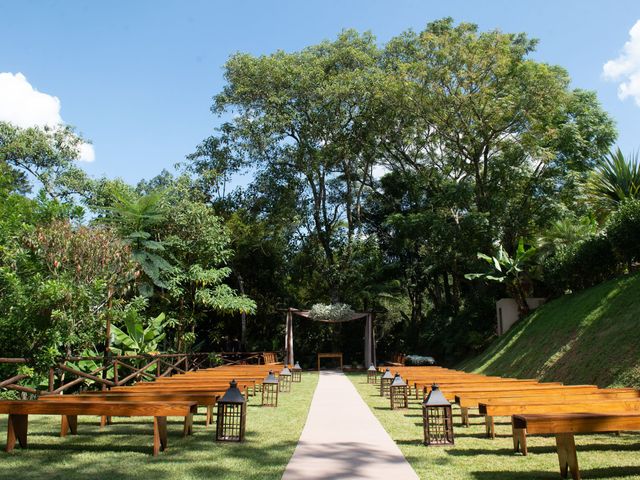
[(116, 370)]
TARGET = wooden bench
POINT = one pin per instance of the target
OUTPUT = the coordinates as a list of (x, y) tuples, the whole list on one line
[(564, 426), (206, 399), (153, 388), (397, 360), (470, 398), (19, 412), (582, 404)]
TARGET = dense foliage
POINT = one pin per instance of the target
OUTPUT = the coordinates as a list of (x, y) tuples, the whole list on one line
[(150, 260), (380, 171), (380, 176)]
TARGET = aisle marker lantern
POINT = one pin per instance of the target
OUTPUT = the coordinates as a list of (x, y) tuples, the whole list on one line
[(437, 418), (398, 393), (232, 415), (372, 374), (285, 379), (296, 373), (385, 382), (270, 390)]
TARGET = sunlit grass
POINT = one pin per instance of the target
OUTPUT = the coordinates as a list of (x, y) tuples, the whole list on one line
[(473, 456), (589, 337), (123, 450)]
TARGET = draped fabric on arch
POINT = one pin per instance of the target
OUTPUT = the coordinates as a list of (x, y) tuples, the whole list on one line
[(369, 338)]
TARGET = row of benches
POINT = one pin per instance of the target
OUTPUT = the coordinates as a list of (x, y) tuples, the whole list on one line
[(179, 395), (534, 407)]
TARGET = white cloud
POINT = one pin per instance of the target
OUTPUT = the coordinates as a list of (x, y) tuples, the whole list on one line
[(24, 106), (626, 68)]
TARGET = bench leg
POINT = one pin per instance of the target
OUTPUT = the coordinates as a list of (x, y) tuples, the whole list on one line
[(520, 440), (17, 429), (207, 420), (188, 425), (159, 435), (464, 413), (105, 420), (490, 426), (69, 422), (567, 456)]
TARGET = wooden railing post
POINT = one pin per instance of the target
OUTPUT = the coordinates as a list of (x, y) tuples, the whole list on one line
[(115, 372), (52, 374)]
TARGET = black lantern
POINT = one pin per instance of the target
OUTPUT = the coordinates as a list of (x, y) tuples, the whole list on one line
[(385, 382), (372, 374), (437, 418), (285, 379), (270, 390), (398, 393), (232, 415), (296, 373)]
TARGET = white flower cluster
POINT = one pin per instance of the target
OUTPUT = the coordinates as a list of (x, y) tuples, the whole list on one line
[(338, 312)]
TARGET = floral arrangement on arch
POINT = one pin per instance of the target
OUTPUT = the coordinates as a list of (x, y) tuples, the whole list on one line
[(337, 312)]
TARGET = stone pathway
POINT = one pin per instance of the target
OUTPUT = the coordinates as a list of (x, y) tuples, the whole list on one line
[(342, 439)]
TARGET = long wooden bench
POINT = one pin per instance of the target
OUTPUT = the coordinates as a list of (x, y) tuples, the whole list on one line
[(461, 396), (452, 385), (564, 426), (206, 399), (19, 412), (155, 389), (586, 404)]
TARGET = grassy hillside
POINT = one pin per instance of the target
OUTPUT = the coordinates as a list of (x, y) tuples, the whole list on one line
[(588, 337)]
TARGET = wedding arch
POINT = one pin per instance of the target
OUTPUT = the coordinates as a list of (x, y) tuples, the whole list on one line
[(369, 336)]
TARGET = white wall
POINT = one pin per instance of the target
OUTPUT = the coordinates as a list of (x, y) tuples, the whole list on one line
[(507, 312)]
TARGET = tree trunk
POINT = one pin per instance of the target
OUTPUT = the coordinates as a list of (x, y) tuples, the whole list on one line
[(243, 317)]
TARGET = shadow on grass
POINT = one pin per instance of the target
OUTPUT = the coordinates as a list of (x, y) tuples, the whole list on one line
[(609, 472), (171, 464)]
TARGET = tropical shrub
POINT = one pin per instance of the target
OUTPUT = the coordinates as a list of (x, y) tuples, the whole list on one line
[(581, 265), (614, 180), (623, 230), (137, 338), (513, 271)]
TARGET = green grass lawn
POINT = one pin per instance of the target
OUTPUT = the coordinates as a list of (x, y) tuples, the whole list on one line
[(123, 450), (475, 457)]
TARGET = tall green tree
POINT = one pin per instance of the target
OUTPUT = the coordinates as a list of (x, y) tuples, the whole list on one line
[(305, 118), (46, 155)]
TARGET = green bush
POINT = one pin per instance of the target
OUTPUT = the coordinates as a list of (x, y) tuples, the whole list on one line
[(581, 265), (623, 231)]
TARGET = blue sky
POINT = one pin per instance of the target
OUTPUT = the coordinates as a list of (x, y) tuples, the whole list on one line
[(137, 77)]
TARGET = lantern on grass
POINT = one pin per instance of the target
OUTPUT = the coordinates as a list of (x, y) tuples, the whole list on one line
[(285, 379), (398, 393), (270, 390), (385, 383), (232, 415), (437, 418), (296, 373), (372, 374)]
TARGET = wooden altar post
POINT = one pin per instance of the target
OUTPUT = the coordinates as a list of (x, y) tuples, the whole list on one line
[(288, 339)]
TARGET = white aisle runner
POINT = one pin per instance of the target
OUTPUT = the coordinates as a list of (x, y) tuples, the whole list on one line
[(342, 439)]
